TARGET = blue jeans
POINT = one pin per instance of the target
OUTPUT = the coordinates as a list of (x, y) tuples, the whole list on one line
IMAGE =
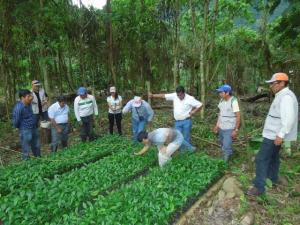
[(59, 138), (226, 141), (30, 138), (185, 126), (137, 127), (267, 164)]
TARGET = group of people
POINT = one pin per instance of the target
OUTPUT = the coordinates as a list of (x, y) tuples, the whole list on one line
[(281, 123)]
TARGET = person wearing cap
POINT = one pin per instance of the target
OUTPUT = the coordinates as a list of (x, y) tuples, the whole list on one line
[(58, 114), (184, 107), (114, 102), (280, 125), (40, 101), (167, 140), (85, 107), (141, 112), (25, 121), (229, 118)]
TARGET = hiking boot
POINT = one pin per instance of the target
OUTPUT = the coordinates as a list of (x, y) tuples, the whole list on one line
[(254, 192)]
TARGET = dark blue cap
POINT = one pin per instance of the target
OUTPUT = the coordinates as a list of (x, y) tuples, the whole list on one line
[(224, 88), (81, 91)]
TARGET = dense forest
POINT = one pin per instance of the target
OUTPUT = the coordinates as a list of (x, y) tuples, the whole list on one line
[(133, 44)]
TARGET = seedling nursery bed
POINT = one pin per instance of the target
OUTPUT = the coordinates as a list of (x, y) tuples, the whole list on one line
[(117, 188)]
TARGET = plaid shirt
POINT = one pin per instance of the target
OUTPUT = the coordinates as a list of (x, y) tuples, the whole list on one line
[(23, 117)]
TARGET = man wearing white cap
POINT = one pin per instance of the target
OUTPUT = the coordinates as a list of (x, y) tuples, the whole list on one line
[(85, 107), (281, 124), (40, 101), (142, 114), (114, 102)]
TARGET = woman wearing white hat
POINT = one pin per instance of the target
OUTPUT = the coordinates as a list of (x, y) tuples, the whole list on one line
[(142, 114), (114, 102)]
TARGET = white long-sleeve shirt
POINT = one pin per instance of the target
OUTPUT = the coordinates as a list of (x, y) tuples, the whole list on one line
[(85, 107), (282, 119)]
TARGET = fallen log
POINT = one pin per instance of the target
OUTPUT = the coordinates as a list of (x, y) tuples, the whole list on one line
[(256, 97)]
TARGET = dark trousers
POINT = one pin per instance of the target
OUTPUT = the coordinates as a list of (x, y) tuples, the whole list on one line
[(59, 138), (267, 164), (87, 128), (112, 118)]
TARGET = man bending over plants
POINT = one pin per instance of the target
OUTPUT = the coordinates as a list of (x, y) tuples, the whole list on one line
[(167, 140)]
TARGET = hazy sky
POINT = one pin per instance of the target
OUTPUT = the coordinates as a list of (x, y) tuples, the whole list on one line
[(96, 3)]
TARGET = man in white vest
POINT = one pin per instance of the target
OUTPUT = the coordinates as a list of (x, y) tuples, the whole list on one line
[(281, 124), (40, 101), (229, 118)]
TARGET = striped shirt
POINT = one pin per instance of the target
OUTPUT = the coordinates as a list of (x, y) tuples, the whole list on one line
[(23, 117), (85, 107)]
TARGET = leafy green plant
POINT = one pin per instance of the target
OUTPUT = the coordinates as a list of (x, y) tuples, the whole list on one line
[(25, 173), (153, 199), (48, 199)]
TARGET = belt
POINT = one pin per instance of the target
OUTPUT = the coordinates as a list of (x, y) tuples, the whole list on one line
[(62, 123), (183, 119)]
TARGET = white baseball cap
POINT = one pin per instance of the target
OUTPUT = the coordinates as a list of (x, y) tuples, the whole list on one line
[(112, 89)]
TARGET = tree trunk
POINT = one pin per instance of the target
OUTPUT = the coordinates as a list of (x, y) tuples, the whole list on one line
[(210, 62), (203, 58), (8, 54), (194, 47), (110, 43), (175, 45), (42, 58)]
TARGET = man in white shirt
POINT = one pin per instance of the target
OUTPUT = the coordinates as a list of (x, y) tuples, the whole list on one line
[(85, 107), (184, 107), (281, 124), (229, 119), (59, 116)]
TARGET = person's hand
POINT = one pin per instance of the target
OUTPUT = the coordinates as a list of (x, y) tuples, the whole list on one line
[(59, 130), (191, 113), (163, 150), (278, 141), (150, 95), (80, 123), (44, 102), (234, 134), (216, 129)]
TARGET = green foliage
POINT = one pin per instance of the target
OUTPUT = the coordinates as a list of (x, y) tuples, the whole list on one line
[(13, 177), (48, 199), (155, 198)]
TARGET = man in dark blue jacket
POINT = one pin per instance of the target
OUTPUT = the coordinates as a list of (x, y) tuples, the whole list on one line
[(26, 123)]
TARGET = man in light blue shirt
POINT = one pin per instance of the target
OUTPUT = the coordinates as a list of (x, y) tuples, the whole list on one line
[(167, 140), (142, 114), (59, 117)]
